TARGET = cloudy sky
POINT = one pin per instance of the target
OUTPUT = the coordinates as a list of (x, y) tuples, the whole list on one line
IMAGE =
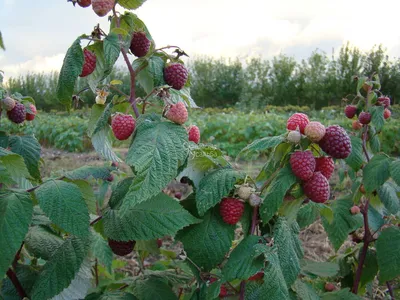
[(38, 33)]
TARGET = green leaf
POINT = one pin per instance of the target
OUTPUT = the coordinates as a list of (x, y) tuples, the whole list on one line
[(276, 192), (214, 187), (290, 209), (273, 283), (356, 158), (375, 218), (2, 42), (15, 216), (119, 191), (131, 4), (376, 172), (395, 171), (87, 194), (205, 157), (156, 153), (60, 270), (377, 116), (156, 70), (89, 171), (207, 243), (102, 145), (157, 217), (111, 50), (153, 289), (370, 268), (42, 242), (305, 291), (375, 143), (14, 165), (287, 253), (388, 195), (71, 69), (63, 203), (243, 262), (102, 69), (387, 251), (322, 269), (263, 144), (99, 117), (343, 294), (343, 221), (307, 215), (29, 148), (26, 275), (100, 249), (116, 295)]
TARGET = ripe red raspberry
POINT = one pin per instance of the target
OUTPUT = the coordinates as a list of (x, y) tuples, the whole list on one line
[(294, 136), (231, 210), (385, 101), (121, 248), (325, 165), (176, 75), (102, 7), (177, 113), (364, 117), (17, 114), (257, 276), (317, 188), (315, 131), (31, 116), (356, 125), (123, 126), (355, 210), (159, 243), (90, 63), (336, 142), (194, 134), (303, 164), (84, 3), (386, 114), (140, 44), (350, 111), (329, 287), (110, 178), (297, 120), (223, 292), (8, 103)]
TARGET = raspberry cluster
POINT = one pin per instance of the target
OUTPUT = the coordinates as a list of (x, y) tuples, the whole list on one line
[(363, 117)]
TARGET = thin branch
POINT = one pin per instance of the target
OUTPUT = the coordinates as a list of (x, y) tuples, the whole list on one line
[(145, 99), (96, 272), (390, 289), (166, 47), (38, 186), (96, 220), (242, 289), (14, 279)]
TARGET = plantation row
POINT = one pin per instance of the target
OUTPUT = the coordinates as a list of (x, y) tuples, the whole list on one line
[(231, 134)]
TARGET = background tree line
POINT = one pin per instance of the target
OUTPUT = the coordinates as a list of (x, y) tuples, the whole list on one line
[(318, 81)]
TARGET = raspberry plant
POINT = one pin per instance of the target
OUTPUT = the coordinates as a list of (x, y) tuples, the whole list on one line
[(58, 235)]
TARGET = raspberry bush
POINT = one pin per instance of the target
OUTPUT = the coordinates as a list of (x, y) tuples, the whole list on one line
[(62, 237)]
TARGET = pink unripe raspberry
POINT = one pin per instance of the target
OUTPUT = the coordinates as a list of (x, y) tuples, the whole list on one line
[(315, 131), (177, 113), (355, 210), (31, 116), (102, 7), (386, 114), (194, 134), (297, 121), (356, 125), (294, 136)]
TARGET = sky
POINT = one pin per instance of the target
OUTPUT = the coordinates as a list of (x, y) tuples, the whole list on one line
[(38, 33)]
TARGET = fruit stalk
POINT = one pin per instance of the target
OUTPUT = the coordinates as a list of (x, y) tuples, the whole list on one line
[(14, 279)]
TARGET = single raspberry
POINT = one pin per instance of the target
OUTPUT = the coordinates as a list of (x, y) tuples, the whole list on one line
[(231, 210), (222, 291), (140, 44), (123, 126), (329, 287), (178, 195), (90, 63), (315, 131), (102, 7), (176, 75), (303, 164), (297, 121), (17, 114), (364, 117), (336, 142), (257, 276), (84, 3), (325, 165), (387, 113), (350, 111), (110, 178), (121, 248), (244, 192), (355, 210), (385, 101), (255, 200), (159, 243), (294, 136), (8, 103), (317, 188), (31, 116), (356, 125), (114, 164), (362, 189), (177, 113), (194, 134)]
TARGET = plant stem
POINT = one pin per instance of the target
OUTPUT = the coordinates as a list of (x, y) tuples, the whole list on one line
[(96, 272), (390, 289), (96, 220), (16, 257), (14, 279), (242, 289)]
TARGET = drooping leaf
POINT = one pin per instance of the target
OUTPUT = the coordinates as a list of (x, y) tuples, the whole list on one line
[(157, 217), (205, 157), (14, 164), (102, 68), (343, 221), (99, 117), (156, 153), (15, 216), (377, 116), (153, 289), (71, 69), (2, 42), (387, 251), (58, 273), (263, 144), (155, 68), (214, 187), (207, 243), (388, 195), (307, 215), (102, 145), (356, 158), (63, 203), (42, 242), (376, 172), (111, 50), (100, 249), (29, 148), (322, 269), (276, 192)]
